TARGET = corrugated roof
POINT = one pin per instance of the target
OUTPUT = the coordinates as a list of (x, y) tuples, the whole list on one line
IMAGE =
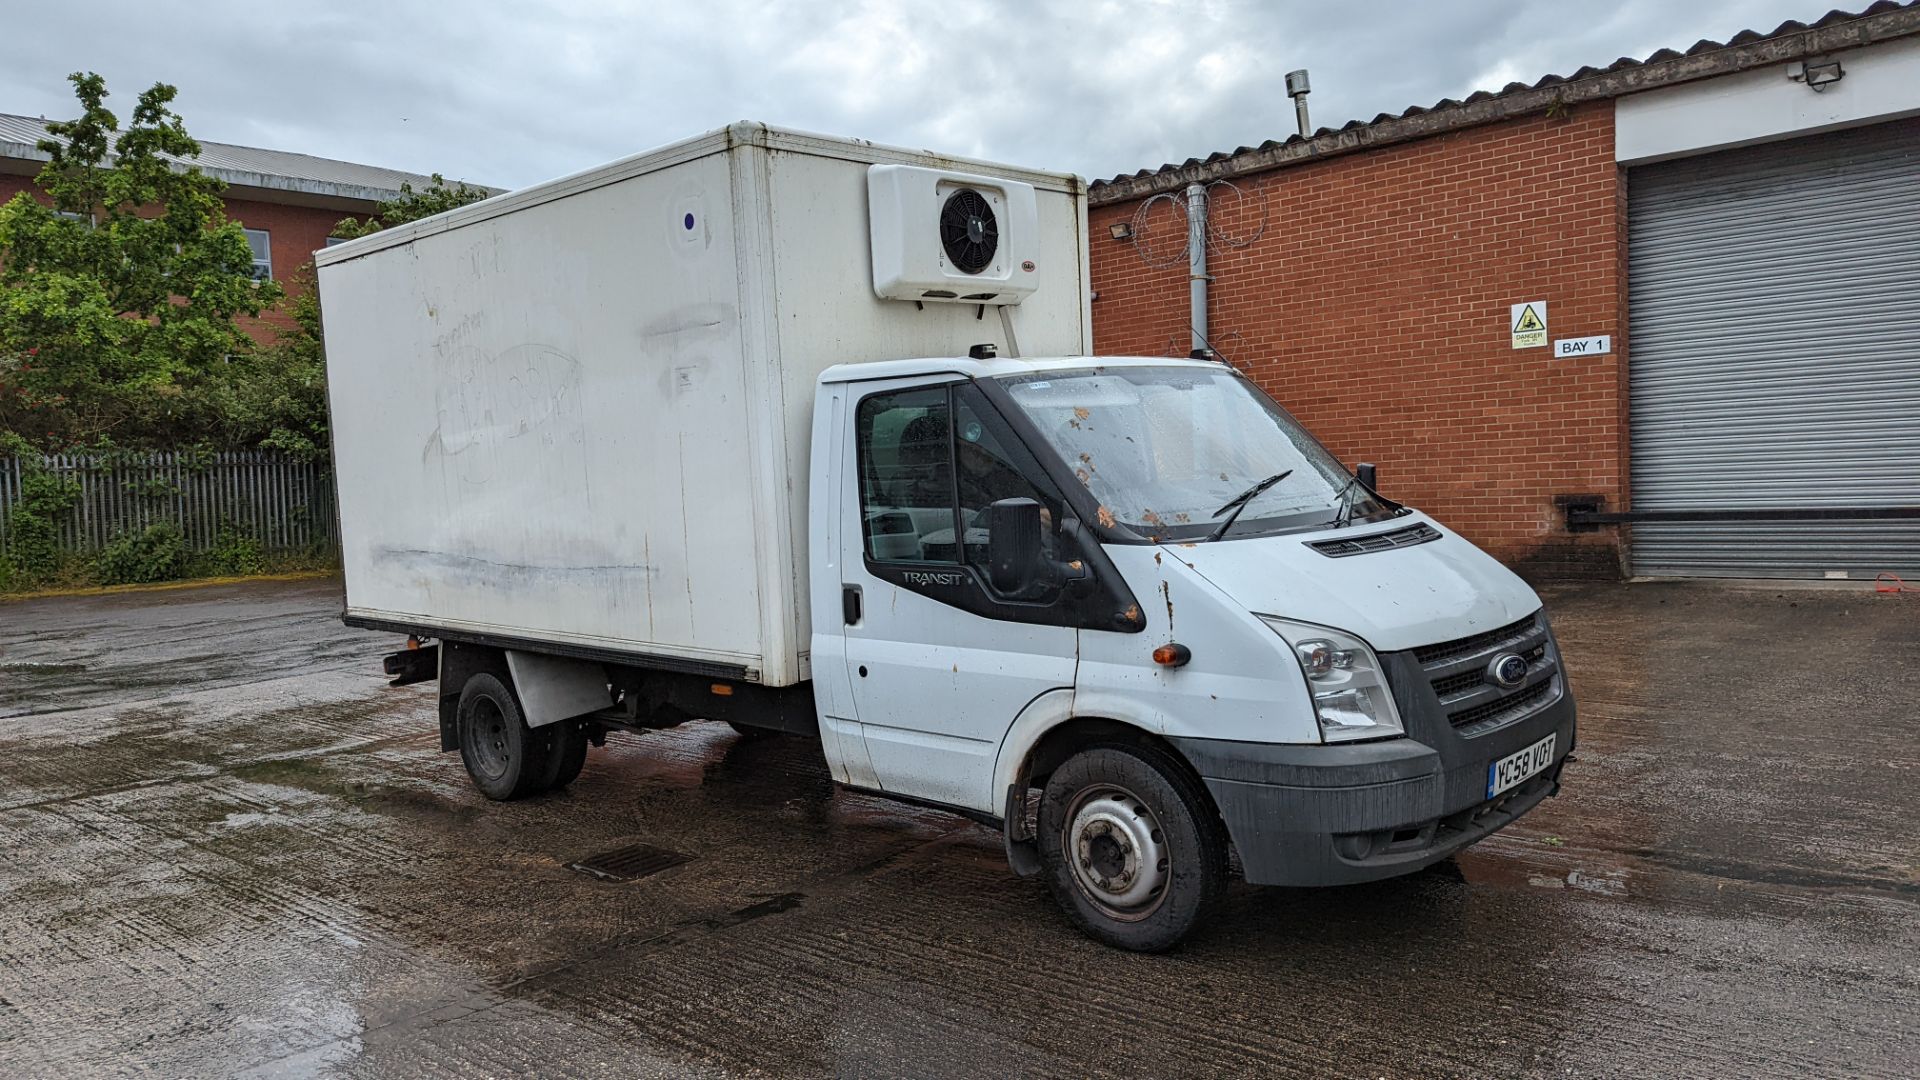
[(250, 166), (1749, 48)]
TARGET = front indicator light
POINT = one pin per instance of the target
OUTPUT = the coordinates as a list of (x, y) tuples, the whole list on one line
[(1172, 654), (1320, 658)]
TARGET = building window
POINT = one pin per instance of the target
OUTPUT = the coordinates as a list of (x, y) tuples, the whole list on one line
[(332, 240), (259, 240)]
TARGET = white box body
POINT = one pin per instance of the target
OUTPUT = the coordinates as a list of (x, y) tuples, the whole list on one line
[(577, 416)]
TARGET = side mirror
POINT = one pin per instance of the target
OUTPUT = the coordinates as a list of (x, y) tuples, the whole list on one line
[(1014, 554), (1368, 476)]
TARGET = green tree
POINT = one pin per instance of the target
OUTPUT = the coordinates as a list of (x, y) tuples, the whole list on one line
[(276, 397), (121, 299)]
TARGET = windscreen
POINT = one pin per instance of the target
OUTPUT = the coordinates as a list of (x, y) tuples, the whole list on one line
[(1164, 449)]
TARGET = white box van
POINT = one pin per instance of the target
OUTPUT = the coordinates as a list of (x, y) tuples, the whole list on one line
[(800, 434)]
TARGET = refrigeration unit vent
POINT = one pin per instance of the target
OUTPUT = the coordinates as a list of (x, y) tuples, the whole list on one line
[(949, 237)]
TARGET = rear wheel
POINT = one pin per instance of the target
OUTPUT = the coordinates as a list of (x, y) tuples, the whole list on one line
[(567, 753), (1133, 850), (506, 758)]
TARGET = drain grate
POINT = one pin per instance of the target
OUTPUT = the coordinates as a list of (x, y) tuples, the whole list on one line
[(629, 863)]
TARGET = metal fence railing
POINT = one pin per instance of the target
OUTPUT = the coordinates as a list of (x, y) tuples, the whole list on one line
[(282, 503)]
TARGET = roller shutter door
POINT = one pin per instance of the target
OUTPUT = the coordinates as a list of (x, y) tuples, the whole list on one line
[(1775, 353)]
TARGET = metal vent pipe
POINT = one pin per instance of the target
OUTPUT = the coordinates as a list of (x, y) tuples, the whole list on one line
[(1298, 88), (1197, 263)]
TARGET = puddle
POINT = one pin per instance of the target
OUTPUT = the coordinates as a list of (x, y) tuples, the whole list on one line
[(1548, 869), (28, 667)]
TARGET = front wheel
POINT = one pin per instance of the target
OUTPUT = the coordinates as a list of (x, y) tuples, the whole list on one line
[(1133, 850)]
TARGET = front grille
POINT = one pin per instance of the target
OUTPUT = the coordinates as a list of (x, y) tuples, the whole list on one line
[(1454, 685), (1503, 709), (1418, 533), (1473, 703), (1429, 655)]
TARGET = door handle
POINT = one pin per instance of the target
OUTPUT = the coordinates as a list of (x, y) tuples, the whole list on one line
[(850, 604)]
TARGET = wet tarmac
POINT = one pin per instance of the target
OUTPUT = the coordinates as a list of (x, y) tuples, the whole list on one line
[(228, 848)]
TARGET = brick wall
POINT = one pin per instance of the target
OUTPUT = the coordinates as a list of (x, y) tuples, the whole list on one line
[(11, 185), (294, 233), (1375, 308)]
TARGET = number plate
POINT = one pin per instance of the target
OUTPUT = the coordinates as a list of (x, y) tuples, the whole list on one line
[(1514, 768)]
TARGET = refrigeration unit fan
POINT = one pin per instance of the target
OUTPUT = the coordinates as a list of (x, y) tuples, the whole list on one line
[(969, 231)]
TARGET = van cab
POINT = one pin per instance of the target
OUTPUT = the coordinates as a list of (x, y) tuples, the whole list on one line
[(1140, 586)]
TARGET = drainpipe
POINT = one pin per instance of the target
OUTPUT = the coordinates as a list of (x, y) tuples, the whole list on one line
[(1197, 264)]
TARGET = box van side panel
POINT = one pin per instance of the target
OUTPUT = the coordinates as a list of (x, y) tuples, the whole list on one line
[(543, 416)]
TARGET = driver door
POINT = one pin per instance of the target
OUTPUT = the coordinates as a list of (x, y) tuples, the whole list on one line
[(939, 665)]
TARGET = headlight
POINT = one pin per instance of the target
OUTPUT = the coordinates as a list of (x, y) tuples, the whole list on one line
[(1348, 686)]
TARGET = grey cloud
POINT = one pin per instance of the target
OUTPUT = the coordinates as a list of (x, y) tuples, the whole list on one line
[(512, 93)]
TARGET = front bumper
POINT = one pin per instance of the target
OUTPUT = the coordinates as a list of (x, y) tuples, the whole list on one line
[(1339, 814)]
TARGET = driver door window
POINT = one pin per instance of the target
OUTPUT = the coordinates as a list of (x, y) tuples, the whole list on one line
[(905, 447), (930, 459), (929, 462)]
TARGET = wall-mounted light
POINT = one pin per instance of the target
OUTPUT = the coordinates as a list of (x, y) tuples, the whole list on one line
[(1817, 76), (1121, 230)]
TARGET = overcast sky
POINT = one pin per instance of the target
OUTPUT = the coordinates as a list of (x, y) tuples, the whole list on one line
[(509, 92)]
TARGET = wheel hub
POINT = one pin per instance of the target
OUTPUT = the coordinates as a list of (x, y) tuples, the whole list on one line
[(1118, 851), (490, 739)]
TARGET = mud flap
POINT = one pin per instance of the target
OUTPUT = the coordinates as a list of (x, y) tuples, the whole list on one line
[(1023, 851), (553, 688), (460, 661)]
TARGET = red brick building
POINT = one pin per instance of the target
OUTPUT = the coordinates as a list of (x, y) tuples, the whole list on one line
[(287, 202), (1672, 205)]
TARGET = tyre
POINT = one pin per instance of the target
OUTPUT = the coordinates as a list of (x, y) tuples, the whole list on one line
[(566, 754), (748, 731), (1133, 850), (506, 758)]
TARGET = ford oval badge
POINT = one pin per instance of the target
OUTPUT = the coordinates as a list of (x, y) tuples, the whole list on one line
[(1508, 670)]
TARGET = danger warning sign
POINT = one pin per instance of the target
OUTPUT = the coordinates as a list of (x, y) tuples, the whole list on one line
[(1529, 324)]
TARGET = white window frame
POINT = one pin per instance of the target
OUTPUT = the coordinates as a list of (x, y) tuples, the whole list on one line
[(262, 267)]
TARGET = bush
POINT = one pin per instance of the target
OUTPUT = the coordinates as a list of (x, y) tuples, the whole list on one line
[(33, 531), (33, 543), (155, 553), (233, 554)]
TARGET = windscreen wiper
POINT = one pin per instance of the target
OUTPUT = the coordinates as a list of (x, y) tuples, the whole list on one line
[(1343, 514), (1239, 502)]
